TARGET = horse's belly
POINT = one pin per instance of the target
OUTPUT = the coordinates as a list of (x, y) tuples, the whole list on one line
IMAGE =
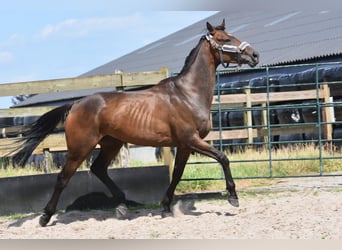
[(144, 138)]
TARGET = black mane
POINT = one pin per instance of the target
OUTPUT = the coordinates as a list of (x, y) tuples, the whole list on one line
[(192, 55)]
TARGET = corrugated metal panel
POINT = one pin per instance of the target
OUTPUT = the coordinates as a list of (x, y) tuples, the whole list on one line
[(285, 36)]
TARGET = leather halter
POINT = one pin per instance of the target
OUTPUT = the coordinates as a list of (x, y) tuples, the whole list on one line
[(227, 48)]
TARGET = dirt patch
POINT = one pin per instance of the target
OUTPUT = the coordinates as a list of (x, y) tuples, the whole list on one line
[(306, 208)]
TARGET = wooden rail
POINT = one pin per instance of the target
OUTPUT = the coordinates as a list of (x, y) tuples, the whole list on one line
[(240, 100), (80, 83)]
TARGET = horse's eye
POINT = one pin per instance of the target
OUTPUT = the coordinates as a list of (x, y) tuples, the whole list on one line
[(226, 40)]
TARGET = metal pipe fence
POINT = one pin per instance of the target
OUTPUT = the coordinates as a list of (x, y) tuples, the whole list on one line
[(295, 136), (272, 122)]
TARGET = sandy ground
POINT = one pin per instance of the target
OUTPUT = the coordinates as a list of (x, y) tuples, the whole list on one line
[(308, 208)]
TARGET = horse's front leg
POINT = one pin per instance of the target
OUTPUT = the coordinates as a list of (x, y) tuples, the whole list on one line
[(182, 157), (200, 146)]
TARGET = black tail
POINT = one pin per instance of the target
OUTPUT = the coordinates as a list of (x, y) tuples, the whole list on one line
[(37, 132)]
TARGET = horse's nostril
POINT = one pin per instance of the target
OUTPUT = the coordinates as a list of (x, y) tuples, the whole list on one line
[(255, 55)]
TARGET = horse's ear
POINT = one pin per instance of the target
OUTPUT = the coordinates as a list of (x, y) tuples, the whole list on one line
[(223, 24), (210, 28)]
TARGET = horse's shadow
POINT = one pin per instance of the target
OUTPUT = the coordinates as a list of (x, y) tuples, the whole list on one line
[(22, 220), (100, 207)]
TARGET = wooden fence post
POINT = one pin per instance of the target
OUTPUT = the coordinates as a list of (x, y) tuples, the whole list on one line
[(327, 116), (168, 159), (248, 115), (47, 160), (264, 123)]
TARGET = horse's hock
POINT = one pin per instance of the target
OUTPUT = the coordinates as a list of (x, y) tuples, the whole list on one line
[(144, 185)]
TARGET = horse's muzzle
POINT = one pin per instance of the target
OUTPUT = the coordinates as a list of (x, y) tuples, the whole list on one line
[(251, 57)]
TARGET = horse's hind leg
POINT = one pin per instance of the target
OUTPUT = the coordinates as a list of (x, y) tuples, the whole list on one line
[(110, 147), (76, 155), (63, 178)]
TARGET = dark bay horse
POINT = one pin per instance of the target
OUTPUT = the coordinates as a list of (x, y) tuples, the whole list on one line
[(173, 113)]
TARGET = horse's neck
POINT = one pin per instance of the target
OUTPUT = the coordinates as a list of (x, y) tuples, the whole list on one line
[(200, 79)]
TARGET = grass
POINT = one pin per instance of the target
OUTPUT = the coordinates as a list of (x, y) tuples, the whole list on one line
[(17, 216), (297, 160), (28, 170), (291, 161)]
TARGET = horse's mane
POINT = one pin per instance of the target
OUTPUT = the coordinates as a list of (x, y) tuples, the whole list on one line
[(191, 57), (193, 53)]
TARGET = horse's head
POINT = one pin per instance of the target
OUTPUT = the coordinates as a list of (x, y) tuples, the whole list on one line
[(229, 49)]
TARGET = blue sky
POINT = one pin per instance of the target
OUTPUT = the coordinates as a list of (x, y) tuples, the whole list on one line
[(56, 39)]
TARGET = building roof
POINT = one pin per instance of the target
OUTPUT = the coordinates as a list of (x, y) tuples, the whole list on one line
[(293, 33)]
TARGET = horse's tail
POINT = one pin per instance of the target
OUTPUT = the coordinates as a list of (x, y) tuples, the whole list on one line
[(37, 132)]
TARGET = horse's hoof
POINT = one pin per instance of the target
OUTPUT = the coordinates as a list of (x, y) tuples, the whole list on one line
[(166, 214), (44, 220), (121, 211), (233, 201)]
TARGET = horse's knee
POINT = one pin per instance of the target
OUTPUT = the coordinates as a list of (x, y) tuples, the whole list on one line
[(223, 159)]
